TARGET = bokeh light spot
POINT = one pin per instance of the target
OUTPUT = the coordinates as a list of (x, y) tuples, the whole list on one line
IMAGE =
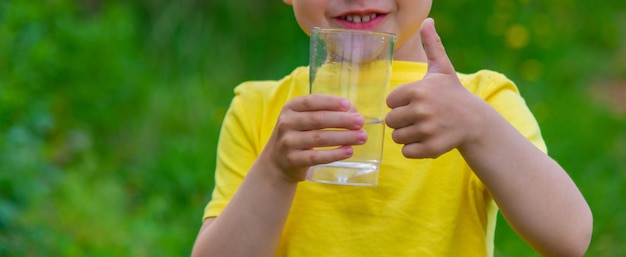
[(517, 36)]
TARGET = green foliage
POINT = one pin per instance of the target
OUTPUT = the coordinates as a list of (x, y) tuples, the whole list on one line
[(110, 110)]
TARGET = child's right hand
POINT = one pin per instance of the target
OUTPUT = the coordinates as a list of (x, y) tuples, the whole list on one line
[(302, 126)]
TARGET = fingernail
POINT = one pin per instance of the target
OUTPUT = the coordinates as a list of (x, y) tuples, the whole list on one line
[(348, 151), (345, 104), (362, 136), (358, 120)]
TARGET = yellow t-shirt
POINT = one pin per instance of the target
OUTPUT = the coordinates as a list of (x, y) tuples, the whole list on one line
[(423, 207)]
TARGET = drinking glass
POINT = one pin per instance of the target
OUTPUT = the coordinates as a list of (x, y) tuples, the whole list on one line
[(356, 65)]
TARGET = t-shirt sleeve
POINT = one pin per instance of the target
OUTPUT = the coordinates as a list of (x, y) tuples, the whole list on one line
[(236, 151), (504, 96)]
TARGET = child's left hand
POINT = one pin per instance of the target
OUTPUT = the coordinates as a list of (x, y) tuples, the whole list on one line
[(436, 114)]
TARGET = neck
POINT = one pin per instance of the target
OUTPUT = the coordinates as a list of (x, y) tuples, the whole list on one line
[(411, 50)]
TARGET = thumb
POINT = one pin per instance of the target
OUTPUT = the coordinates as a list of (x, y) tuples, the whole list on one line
[(438, 61)]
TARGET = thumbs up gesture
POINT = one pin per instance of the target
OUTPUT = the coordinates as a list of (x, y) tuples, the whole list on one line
[(436, 114)]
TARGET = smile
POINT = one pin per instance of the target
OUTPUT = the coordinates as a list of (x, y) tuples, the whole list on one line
[(359, 18), (363, 20)]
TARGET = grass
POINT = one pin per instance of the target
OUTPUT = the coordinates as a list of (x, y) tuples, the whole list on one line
[(110, 111)]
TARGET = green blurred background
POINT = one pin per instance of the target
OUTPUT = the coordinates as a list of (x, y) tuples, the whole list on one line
[(110, 110)]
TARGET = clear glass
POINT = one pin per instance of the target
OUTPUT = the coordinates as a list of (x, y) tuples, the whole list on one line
[(354, 64)]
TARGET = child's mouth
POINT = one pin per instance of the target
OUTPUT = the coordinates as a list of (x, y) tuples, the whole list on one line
[(359, 18), (363, 21)]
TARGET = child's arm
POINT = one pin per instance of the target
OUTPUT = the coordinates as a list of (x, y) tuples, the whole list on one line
[(534, 194), (251, 224)]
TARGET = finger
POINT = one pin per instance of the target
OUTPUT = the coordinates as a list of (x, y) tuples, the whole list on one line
[(318, 102), (315, 157), (417, 132), (401, 96), (400, 117), (438, 61), (420, 150), (328, 138), (328, 119)]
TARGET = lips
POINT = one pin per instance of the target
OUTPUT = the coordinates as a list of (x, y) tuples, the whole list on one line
[(359, 18), (365, 20)]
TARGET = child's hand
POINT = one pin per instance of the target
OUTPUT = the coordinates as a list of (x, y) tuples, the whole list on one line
[(301, 127), (434, 115)]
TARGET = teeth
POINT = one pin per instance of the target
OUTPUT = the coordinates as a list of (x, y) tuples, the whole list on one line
[(360, 19)]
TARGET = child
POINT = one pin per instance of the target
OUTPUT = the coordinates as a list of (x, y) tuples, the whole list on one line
[(457, 148)]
